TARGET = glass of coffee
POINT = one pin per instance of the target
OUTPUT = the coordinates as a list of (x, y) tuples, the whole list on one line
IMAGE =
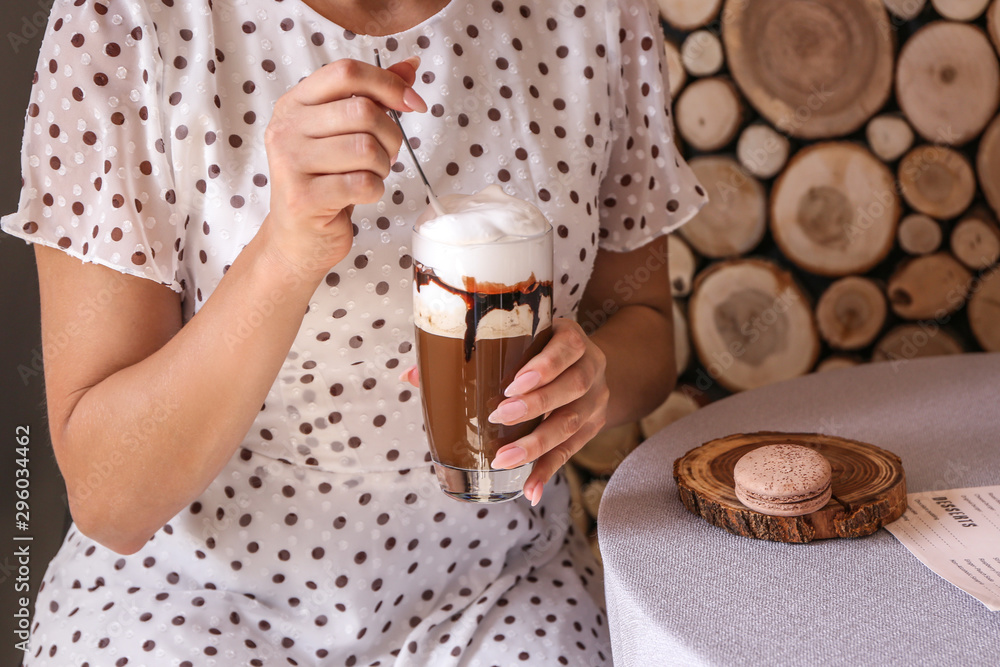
[(482, 307)]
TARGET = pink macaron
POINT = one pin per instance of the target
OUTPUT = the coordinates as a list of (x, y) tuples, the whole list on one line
[(783, 480)]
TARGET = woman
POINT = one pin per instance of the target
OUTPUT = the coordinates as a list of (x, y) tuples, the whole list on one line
[(244, 463)]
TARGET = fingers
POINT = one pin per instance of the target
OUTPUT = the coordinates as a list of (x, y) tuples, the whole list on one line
[(587, 414), (350, 116), (411, 375), (568, 345), (341, 155), (550, 463), (572, 369), (346, 78), (406, 69), (324, 196)]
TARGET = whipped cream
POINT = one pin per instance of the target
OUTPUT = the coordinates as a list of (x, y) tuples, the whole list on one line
[(488, 216), (486, 242)]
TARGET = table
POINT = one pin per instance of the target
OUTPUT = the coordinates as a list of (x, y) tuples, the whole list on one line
[(683, 592)]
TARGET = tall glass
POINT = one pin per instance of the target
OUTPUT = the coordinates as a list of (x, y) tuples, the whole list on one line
[(481, 312)]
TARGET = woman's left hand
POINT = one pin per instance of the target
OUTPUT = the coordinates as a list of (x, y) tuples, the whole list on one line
[(565, 381)]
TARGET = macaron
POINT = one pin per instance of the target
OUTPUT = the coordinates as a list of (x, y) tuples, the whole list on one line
[(783, 480)]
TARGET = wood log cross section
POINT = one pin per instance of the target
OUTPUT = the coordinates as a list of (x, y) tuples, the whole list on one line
[(889, 136), (988, 163), (906, 342), (688, 14), (834, 209), (735, 219), (948, 82), (984, 310), (975, 240), (937, 181), (919, 234), (851, 313), (751, 324), (905, 9), (929, 287), (814, 68), (709, 113), (869, 488)]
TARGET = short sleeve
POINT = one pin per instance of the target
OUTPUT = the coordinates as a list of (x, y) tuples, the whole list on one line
[(97, 182), (648, 190)]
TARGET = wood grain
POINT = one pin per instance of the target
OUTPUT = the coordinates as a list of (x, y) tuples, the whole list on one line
[(869, 488), (814, 68)]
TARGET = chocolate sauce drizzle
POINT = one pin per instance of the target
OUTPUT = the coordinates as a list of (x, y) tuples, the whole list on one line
[(479, 303)]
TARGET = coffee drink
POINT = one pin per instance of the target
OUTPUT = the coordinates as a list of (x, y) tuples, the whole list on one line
[(482, 308)]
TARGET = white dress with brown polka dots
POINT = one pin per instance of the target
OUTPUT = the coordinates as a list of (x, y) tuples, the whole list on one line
[(326, 540)]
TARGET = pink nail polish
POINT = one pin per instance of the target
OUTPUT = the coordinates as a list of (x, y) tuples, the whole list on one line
[(523, 384), (536, 494), (414, 101), (508, 413), (509, 458)]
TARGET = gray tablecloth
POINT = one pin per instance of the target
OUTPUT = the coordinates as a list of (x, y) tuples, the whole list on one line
[(683, 592)]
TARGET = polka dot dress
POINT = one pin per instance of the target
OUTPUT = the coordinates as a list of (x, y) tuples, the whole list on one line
[(325, 540)]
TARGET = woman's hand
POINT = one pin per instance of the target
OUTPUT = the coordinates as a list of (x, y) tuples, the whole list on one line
[(330, 144), (565, 381)]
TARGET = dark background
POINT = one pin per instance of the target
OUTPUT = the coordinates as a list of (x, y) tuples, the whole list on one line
[(22, 25)]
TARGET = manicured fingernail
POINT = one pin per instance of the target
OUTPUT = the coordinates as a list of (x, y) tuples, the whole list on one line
[(414, 101), (405, 375), (534, 494), (509, 412), (523, 384), (414, 61), (509, 458)]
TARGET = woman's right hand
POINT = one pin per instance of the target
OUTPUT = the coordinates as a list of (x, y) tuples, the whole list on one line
[(330, 144)]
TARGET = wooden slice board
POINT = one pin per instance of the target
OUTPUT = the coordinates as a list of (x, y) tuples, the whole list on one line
[(869, 488)]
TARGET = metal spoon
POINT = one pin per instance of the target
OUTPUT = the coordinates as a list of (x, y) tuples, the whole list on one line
[(431, 197)]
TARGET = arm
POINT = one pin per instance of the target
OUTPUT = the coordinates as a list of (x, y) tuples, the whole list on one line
[(136, 401), (638, 337)]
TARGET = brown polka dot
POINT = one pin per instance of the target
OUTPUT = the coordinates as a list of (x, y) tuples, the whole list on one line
[(138, 258), (77, 40)]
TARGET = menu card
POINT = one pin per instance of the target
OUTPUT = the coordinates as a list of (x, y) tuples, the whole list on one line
[(956, 533)]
